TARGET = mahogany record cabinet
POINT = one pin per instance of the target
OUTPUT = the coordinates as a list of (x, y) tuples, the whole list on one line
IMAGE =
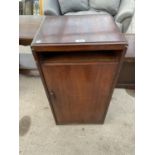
[(79, 59)]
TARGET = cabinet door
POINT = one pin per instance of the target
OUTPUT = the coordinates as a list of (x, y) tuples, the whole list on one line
[(79, 92)]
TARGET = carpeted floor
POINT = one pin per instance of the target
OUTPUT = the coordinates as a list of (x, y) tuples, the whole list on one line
[(40, 136)]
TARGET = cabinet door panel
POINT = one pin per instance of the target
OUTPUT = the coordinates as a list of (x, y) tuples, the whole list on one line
[(79, 92)]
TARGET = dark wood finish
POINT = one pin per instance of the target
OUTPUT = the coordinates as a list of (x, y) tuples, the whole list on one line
[(79, 65), (70, 33), (127, 74), (28, 26), (79, 91)]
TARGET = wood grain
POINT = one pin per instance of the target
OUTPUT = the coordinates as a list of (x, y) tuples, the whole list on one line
[(79, 77), (73, 33), (127, 74), (79, 91)]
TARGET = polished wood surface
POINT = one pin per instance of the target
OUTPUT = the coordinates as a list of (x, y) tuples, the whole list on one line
[(73, 33), (79, 77), (126, 78), (28, 26), (79, 91)]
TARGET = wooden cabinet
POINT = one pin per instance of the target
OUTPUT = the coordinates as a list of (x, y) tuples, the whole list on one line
[(79, 89), (79, 78)]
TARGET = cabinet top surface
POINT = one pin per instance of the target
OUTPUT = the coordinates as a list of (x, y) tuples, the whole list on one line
[(78, 31)]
